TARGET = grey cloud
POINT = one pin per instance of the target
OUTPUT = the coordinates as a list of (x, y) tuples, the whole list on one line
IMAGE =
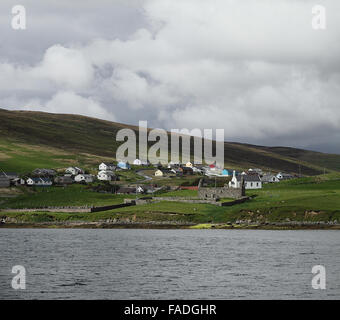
[(258, 70)]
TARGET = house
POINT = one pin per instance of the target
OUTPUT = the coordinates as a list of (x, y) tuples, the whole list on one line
[(140, 189), (175, 171), (87, 178), (284, 176), (18, 181), (10, 175), (268, 178), (173, 164), (152, 188), (159, 173), (67, 179), (106, 176), (6, 178), (138, 162), (123, 165), (250, 181), (213, 171), (186, 170), (226, 172), (5, 182), (106, 166), (44, 172), (74, 171), (255, 171), (197, 170), (39, 182), (126, 190)]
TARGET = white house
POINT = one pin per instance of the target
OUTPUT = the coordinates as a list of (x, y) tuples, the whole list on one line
[(138, 162), (268, 178), (41, 182), (213, 172), (196, 170), (88, 178), (250, 181), (174, 164), (105, 175), (140, 189), (284, 176), (105, 166), (74, 171)]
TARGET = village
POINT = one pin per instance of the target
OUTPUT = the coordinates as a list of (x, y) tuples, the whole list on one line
[(146, 178)]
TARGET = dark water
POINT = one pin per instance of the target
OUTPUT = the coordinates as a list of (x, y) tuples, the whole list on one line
[(169, 264)]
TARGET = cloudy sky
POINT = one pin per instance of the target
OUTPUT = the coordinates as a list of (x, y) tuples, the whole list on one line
[(257, 69)]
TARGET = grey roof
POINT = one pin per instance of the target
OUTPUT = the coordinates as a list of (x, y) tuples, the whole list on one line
[(288, 175), (251, 178), (126, 190), (43, 171), (8, 174), (41, 179), (109, 164), (268, 177), (64, 178)]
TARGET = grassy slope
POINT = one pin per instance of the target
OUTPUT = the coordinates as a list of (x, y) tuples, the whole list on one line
[(75, 195), (36, 139), (308, 199)]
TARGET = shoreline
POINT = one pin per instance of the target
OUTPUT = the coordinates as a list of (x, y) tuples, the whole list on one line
[(170, 226)]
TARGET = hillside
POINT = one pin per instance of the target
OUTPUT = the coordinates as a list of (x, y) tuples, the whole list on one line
[(37, 139)]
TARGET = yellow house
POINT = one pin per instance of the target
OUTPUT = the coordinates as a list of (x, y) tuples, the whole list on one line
[(159, 173)]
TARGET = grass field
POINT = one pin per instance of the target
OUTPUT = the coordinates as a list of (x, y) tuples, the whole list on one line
[(74, 195), (307, 199)]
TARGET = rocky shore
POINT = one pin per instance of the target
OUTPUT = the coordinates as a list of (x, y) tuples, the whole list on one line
[(293, 225)]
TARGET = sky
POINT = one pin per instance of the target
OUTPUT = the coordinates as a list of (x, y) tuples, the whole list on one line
[(257, 69)]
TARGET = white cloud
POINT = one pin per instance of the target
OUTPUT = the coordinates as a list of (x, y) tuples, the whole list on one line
[(66, 67), (69, 102)]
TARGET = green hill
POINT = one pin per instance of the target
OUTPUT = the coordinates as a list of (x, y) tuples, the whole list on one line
[(37, 139)]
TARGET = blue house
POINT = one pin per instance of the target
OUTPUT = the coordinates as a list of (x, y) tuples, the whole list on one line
[(123, 165), (227, 172)]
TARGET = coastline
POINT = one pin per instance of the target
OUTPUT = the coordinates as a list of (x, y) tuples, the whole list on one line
[(167, 225)]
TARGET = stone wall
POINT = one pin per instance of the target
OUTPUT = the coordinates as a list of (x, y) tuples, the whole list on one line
[(115, 206), (56, 209), (185, 200), (71, 209), (224, 192), (220, 192)]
